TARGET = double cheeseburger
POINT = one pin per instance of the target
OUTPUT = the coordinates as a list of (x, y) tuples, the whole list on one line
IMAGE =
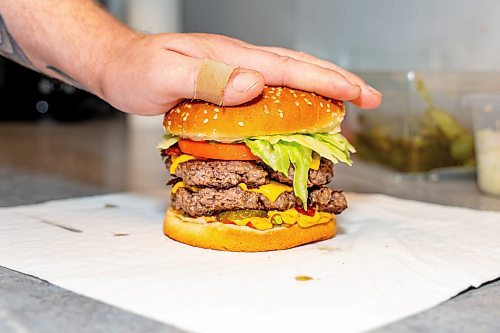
[(253, 177)]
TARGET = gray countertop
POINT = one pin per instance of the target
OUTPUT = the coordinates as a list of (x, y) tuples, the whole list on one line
[(53, 161)]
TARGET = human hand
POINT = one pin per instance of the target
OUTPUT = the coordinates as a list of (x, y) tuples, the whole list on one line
[(152, 73)]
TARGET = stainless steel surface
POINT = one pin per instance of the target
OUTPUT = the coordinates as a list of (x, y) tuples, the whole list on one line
[(53, 161)]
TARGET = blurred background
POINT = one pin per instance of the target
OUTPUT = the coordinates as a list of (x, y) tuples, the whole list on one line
[(446, 35), (436, 62)]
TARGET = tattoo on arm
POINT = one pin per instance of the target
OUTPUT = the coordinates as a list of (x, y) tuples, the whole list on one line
[(68, 79), (9, 47)]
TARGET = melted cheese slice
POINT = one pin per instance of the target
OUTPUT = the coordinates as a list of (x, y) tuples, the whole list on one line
[(178, 160), (271, 191), (178, 185), (316, 161)]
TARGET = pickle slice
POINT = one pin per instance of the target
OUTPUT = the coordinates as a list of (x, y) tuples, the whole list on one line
[(241, 214)]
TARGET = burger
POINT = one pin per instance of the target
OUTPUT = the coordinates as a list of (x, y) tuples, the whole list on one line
[(254, 177)]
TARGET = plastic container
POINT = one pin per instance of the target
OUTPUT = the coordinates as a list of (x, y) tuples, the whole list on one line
[(486, 118), (422, 124)]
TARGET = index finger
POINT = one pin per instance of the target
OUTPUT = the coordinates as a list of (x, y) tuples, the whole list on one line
[(369, 98), (280, 70)]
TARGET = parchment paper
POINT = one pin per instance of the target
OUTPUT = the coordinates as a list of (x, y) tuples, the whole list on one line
[(392, 258)]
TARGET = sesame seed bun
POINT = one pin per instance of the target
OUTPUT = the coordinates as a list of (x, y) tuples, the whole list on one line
[(228, 237), (278, 110)]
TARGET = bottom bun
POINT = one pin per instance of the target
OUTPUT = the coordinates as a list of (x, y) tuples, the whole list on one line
[(230, 237)]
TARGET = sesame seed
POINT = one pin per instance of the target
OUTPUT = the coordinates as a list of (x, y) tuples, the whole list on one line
[(185, 118), (240, 123), (302, 95), (321, 104), (328, 105), (205, 111), (205, 120), (313, 94), (215, 116), (293, 92), (188, 106), (271, 91), (281, 113), (295, 95), (169, 122), (216, 110), (273, 97), (309, 103), (266, 96), (276, 101), (327, 110), (177, 110), (266, 110), (297, 103)]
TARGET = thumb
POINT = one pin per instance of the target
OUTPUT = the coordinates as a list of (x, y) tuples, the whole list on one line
[(243, 86), (178, 81)]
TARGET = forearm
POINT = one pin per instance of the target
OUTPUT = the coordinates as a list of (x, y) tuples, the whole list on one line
[(72, 40)]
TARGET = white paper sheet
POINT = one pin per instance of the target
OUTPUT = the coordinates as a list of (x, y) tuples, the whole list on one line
[(392, 258)]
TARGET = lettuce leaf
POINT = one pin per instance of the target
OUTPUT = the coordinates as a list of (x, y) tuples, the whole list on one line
[(167, 141), (278, 151), (276, 156), (301, 158)]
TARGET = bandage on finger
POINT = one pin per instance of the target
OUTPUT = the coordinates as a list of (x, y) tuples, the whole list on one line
[(212, 80)]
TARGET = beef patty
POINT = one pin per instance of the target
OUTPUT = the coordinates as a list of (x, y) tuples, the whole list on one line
[(226, 174), (209, 201)]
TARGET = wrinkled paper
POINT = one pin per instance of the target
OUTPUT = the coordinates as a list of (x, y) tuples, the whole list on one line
[(392, 258)]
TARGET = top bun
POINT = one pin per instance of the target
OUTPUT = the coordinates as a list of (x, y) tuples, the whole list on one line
[(278, 110)]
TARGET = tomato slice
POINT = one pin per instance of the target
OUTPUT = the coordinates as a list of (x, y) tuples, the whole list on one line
[(217, 150)]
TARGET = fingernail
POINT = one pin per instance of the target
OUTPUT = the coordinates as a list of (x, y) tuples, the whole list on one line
[(373, 90), (245, 81)]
